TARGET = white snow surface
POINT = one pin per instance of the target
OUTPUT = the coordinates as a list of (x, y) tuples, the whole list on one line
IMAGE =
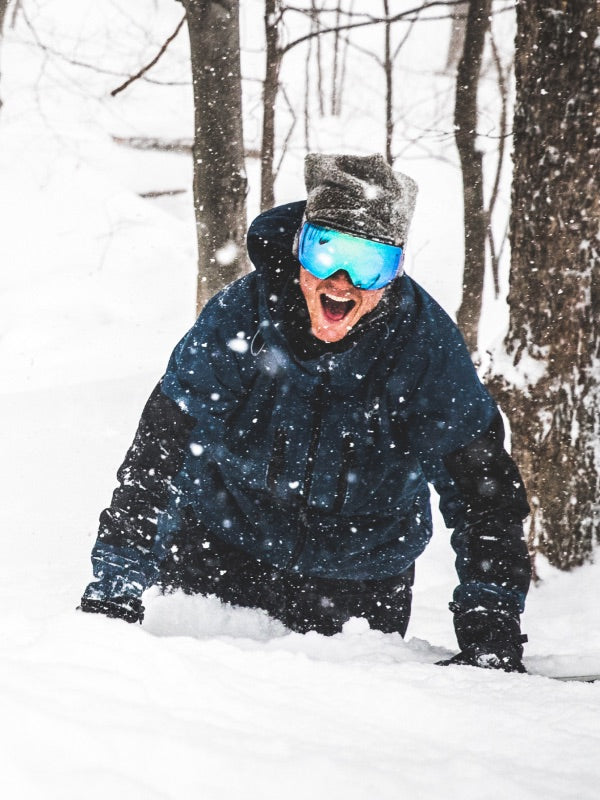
[(205, 700)]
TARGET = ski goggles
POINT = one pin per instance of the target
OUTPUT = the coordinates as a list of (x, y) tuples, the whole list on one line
[(369, 264)]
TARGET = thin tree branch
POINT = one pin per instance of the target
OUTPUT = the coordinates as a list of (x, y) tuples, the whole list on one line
[(15, 13), (372, 17), (373, 21), (405, 16), (154, 61), (495, 260), (363, 50), (340, 87), (46, 48), (288, 135), (404, 39)]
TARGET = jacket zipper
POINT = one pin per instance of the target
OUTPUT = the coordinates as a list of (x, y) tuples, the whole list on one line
[(346, 466), (277, 459), (302, 530)]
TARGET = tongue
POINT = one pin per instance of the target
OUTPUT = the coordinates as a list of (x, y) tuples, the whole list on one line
[(335, 310)]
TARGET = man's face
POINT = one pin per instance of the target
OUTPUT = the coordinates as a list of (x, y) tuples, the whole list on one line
[(335, 305)]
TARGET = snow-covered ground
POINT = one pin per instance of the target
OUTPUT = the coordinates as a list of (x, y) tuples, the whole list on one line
[(204, 700)]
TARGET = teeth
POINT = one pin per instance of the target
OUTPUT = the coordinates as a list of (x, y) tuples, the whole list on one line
[(337, 299)]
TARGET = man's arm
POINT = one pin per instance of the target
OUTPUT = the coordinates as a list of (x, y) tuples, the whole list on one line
[(122, 558), (202, 384), (492, 560), (456, 432)]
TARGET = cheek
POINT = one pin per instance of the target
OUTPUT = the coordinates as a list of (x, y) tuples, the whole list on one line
[(308, 286), (371, 300)]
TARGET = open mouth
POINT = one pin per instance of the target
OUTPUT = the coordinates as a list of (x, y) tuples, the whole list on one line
[(335, 308)]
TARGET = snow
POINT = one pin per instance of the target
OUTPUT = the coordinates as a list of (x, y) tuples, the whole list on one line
[(205, 700)]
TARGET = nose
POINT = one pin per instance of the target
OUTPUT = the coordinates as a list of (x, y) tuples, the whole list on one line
[(341, 276)]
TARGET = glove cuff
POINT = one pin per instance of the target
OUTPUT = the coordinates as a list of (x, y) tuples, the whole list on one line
[(113, 586), (128, 608)]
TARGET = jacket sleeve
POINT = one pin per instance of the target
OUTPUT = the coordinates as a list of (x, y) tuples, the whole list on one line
[(122, 557), (457, 433), (199, 388), (492, 560), (153, 460)]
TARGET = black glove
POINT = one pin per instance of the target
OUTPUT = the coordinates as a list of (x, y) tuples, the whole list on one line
[(115, 597), (128, 608), (487, 639), (507, 660)]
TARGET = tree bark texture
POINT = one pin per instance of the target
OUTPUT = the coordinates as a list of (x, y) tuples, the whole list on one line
[(471, 161), (270, 89), (219, 171), (554, 333)]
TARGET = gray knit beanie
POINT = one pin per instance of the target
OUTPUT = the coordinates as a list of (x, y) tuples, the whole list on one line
[(361, 195)]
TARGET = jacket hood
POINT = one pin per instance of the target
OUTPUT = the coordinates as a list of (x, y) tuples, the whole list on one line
[(270, 244)]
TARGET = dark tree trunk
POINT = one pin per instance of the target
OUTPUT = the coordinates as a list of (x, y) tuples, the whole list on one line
[(554, 334), (465, 123), (389, 86), (219, 171), (3, 7), (270, 88)]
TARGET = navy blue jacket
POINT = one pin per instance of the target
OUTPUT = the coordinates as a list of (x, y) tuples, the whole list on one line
[(318, 461)]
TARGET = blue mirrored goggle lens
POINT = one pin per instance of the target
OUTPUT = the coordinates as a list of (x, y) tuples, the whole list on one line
[(369, 264)]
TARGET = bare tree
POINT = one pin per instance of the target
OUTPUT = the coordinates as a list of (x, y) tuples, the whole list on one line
[(389, 87), (219, 172), (388, 62), (456, 43), (553, 340), (495, 250), (273, 14), (147, 67), (471, 160), (316, 30), (3, 9), (336, 58)]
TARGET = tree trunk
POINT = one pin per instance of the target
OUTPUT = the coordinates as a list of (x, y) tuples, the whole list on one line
[(336, 60), (219, 171), (3, 9), (389, 86), (456, 43), (554, 333), (270, 88), (314, 14), (465, 123)]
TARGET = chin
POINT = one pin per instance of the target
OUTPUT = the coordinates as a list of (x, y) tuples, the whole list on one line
[(329, 335)]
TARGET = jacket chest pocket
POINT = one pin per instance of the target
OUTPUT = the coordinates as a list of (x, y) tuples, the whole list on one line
[(268, 437), (361, 466)]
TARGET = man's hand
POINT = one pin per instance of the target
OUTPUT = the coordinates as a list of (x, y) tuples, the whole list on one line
[(115, 597), (487, 639), (128, 608), (506, 660)]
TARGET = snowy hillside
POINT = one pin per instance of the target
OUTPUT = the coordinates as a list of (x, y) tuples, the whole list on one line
[(203, 700)]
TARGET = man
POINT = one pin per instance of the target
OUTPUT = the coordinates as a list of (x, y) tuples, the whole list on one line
[(282, 461)]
